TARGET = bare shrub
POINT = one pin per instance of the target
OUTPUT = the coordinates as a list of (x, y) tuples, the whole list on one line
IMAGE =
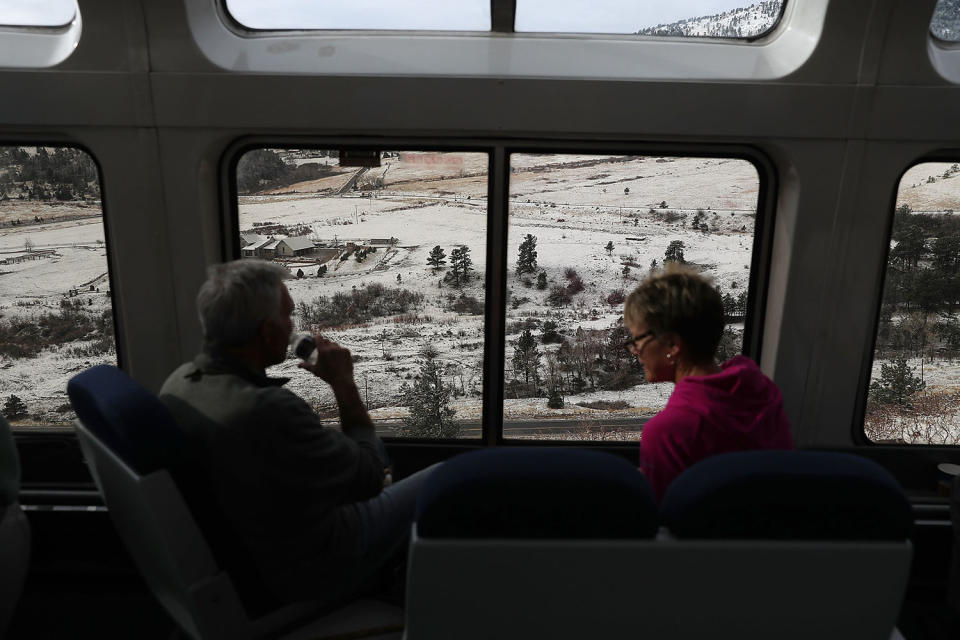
[(933, 418), (616, 297), (559, 296), (575, 285)]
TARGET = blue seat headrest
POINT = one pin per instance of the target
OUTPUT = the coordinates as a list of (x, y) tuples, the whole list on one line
[(126, 417), (787, 495), (532, 492)]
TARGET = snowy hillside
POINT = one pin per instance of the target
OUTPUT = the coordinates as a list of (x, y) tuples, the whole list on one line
[(743, 22)]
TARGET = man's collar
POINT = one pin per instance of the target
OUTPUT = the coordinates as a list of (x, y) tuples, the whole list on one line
[(214, 362)]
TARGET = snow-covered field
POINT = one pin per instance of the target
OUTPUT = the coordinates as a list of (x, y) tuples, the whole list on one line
[(573, 205)]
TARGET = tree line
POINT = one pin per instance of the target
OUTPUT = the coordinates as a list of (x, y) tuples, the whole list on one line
[(63, 174)]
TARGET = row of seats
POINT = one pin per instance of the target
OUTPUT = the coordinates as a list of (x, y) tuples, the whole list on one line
[(547, 542), (565, 543)]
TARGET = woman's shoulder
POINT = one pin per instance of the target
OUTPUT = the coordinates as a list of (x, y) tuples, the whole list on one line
[(675, 417)]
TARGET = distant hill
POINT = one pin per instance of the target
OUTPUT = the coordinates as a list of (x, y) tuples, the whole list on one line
[(744, 22), (946, 20)]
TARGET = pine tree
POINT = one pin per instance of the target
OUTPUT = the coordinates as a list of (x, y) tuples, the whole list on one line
[(430, 412), (527, 258), (526, 361), (437, 258), (674, 252), (542, 280), (554, 399), (460, 265), (897, 384), (14, 408)]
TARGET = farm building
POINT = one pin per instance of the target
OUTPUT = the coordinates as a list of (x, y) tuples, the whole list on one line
[(289, 247)]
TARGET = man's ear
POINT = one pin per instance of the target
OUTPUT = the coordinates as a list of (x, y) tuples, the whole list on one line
[(263, 332)]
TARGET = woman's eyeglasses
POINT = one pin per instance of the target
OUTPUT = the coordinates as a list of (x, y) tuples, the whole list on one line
[(631, 344)]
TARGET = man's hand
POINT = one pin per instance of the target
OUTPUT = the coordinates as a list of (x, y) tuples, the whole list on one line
[(334, 365)]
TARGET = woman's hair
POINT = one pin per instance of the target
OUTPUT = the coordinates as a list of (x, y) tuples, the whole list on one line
[(236, 298), (681, 301)]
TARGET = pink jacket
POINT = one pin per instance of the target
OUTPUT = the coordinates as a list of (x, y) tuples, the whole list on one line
[(737, 409)]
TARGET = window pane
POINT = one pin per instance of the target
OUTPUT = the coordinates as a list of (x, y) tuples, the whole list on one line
[(37, 13), (945, 24), (387, 261), (686, 18), (430, 15), (913, 395), (56, 314), (598, 224)]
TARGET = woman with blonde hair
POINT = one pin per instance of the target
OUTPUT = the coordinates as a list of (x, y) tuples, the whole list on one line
[(676, 319)]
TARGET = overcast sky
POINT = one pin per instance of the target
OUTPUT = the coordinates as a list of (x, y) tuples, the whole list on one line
[(610, 16), (38, 13), (602, 16)]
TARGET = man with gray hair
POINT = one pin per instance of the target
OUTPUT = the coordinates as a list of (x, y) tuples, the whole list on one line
[(304, 502)]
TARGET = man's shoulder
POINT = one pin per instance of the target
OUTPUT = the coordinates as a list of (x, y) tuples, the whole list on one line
[(228, 395)]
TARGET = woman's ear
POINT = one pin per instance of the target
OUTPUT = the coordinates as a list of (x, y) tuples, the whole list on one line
[(675, 345)]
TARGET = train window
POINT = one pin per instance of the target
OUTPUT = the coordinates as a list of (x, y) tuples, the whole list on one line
[(38, 34), (56, 313), (38, 13), (388, 261), (913, 397), (442, 15), (686, 18), (945, 24), (584, 230)]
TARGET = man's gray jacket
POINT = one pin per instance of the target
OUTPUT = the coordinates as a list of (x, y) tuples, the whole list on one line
[(283, 481)]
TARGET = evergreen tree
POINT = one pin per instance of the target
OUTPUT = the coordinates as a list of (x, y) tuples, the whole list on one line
[(460, 265), (429, 402), (554, 399), (550, 332), (897, 384), (526, 361), (542, 280), (609, 248), (437, 258), (527, 258), (674, 252), (625, 271), (14, 408)]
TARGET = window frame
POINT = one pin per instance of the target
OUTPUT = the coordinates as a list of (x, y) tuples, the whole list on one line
[(501, 53), (857, 428), (498, 194), (16, 141)]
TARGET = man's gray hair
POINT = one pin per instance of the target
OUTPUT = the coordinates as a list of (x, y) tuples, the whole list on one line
[(236, 298)]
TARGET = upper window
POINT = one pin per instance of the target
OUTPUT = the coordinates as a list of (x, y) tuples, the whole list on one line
[(584, 231), (913, 396), (388, 261), (677, 18), (945, 24), (38, 33), (56, 313), (419, 15), (37, 13)]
